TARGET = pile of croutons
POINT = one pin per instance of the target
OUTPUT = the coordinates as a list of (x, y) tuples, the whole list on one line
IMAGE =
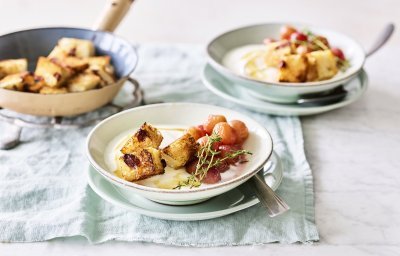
[(70, 67), (142, 158)]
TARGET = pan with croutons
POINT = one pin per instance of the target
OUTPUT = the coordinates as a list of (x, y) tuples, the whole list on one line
[(282, 62), (178, 153), (65, 71), (62, 71)]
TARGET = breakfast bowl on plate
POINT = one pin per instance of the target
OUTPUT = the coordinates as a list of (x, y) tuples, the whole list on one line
[(178, 153), (280, 62)]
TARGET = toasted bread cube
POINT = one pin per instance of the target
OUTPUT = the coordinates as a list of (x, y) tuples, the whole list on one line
[(57, 53), (35, 84), (74, 63), (12, 66), (141, 164), (147, 136), (99, 61), (276, 51), (76, 47), (101, 66), (312, 72), (53, 90), (325, 64), (16, 82), (106, 78), (180, 152), (83, 82), (293, 68), (53, 74)]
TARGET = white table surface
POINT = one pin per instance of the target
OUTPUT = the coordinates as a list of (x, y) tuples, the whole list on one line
[(354, 152)]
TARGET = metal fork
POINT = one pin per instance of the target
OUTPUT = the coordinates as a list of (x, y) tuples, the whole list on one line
[(273, 203)]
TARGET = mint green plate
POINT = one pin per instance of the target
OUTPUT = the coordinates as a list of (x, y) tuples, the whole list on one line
[(232, 201), (233, 91)]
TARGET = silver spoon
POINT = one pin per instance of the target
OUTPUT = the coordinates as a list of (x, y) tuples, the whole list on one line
[(338, 95), (257, 186), (382, 39), (273, 203)]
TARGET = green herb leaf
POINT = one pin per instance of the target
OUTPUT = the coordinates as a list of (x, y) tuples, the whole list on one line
[(207, 159)]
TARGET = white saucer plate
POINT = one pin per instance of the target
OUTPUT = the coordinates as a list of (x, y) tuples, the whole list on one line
[(232, 201), (232, 91)]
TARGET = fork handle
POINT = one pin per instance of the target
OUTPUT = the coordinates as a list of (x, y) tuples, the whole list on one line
[(272, 202)]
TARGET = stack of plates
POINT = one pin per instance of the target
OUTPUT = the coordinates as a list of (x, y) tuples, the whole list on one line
[(158, 198), (220, 76)]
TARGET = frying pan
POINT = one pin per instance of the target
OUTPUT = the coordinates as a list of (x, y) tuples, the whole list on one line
[(34, 43)]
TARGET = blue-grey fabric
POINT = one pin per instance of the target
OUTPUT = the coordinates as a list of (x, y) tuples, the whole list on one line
[(44, 192)]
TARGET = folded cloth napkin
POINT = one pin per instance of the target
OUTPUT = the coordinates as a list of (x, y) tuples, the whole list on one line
[(44, 192)]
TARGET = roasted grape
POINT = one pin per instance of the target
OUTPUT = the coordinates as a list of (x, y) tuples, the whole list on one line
[(240, 129), (226, 132), (212, 120)]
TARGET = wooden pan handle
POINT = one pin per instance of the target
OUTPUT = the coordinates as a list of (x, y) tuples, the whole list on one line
[(112, 15)]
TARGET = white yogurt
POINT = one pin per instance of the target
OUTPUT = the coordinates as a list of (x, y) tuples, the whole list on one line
[(252, 56)]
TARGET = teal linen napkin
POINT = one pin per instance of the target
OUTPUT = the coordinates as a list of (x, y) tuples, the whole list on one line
[(44, 192)]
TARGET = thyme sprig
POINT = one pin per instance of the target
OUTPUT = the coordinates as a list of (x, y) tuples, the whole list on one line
[(314, 41), (207, 159)]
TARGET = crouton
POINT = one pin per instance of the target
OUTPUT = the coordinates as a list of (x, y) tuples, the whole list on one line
[(57, 53), (276, 51), (12, 66), (147, 136), (83, 82), (73, 63), (53, 90), (141, 164), (180, 152), (293, 68), (20, 82), (75, 47), (99, 61), (35, 84), (106, 78), (12, 82), (52, 73), (325, 64), (101, 66)]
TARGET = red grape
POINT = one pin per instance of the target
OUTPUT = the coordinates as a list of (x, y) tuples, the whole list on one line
[(228, 149), (298, 37), (203, 140), (212, 176), (202, 131), (191, 167), (222, 167), (287, 31), (338, 53)]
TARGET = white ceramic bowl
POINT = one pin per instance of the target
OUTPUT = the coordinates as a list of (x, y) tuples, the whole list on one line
[(282, 92), (177, 115)]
